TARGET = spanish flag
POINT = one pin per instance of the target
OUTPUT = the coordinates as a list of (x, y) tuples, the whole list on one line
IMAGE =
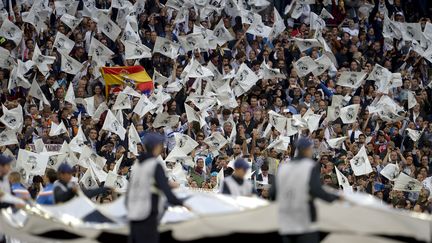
[(134, 76)]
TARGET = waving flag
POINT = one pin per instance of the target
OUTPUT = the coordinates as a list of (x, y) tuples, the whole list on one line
[(134, 76)]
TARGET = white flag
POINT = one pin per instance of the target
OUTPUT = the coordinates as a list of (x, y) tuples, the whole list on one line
[(108, 27), (143, 106), (278, 25), (70, 65), (117, 182), (33, 163), (57, 129), (222, 34), (70, 96), (165, 120), (135, 50), (406, 183), (129, 91), (122, 102), (216, 141), (336, 143), (316, 22), (77, 142), (166, 47), (411, 31), (360, 163), (412, 101), (71, 21), (10, 31), (313, 122), (280, 144), (184, 143), (6, 60), (258, 28), (270, 73), (304, 66), (192, 41), (351, 79), (343, 181), (349, 113), (133, 139), (323, 63), (63, 44), (36, 92), (113, 125), (88, 180), (192, 115), (42, 61), (66, 7), (244, 80), (325, 14), (197, 70), (129, 34), (177, 156), (8, 137), (97, 49), (89, 105), (13, 118), (414, 134), (159, 78), (390, 171)]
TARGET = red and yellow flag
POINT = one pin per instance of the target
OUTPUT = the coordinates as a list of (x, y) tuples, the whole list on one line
[(134, 76)]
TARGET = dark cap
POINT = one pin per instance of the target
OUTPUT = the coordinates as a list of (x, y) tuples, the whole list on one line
[(65, 168), (152, 139), (304, 143), (4, 160), (241, 164)]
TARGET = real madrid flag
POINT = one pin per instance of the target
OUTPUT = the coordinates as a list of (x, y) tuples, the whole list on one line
[(360, 163)]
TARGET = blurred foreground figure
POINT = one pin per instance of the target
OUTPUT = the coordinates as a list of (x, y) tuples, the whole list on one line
[(297, 184), (147, 182)]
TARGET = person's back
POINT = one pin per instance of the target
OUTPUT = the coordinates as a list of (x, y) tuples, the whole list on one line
[(17, 188), (46, 196), (292, 183)]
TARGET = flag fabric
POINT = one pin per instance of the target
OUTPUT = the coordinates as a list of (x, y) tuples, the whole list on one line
[(70, 96), (69, 64), (33, 163), (412, 101), (98, 112), (113, 125), (184, 143), (134, 50), (57, 129), (8, 137), (133, 139), (159, 78), (88, 180), (216, 141), (71, 21), (99, 52), (406, 183), (122, 102), (336, 143), (193, 115), (280, 144), (63, 44), (10, 31), (270, 73), (351, 79), (414, 134), (360, 163), (36, 92), (143, 106), (108, 27), (77, 142), (129, 34), (129, 91), (66, 7), (222, 34), (166, 47), (244, 80), (349, 113), (13, 118), (165, 120), (278, 25), (323, 63), (135, 76), (390, 171), (304, 66), (42, 61), (343, 181)]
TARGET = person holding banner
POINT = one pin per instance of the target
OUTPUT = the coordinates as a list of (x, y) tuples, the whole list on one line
[(297, 184), (236, 185), (147, 181), (65, 189)]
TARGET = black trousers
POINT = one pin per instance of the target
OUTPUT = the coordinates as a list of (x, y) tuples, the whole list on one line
[(144, 231), (312, 237)]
